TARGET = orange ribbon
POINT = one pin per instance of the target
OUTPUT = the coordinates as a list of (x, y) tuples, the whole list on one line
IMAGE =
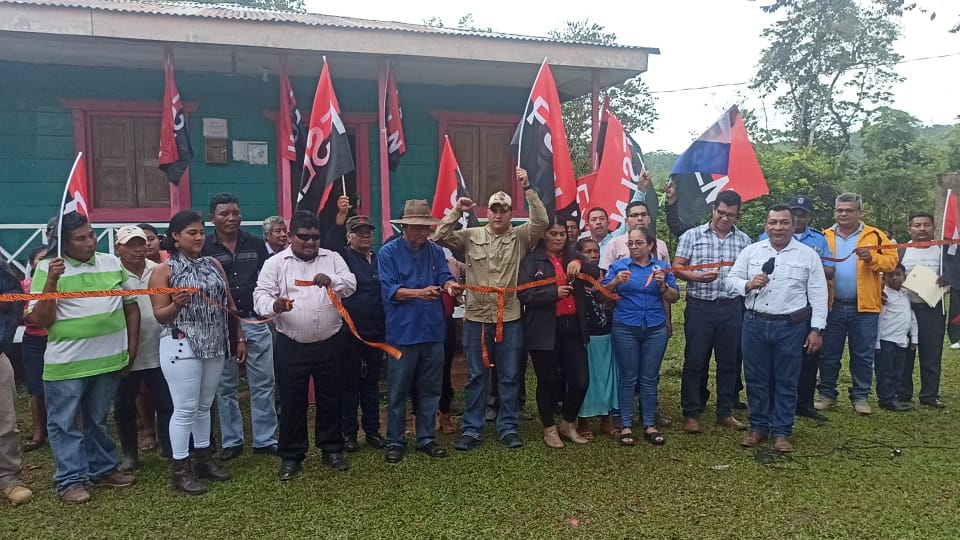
[(30, 297), (881, 247), (693, 268), (502, 292), (335, 300)]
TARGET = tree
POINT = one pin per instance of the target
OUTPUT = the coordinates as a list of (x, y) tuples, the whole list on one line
[(465, 22), (898, 173), (828, 63), (630, 101)]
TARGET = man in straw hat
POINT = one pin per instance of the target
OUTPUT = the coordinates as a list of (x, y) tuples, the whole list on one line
[(413, 275), (493, 254)]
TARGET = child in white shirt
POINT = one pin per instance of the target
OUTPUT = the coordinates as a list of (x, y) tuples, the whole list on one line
[(896, 339)]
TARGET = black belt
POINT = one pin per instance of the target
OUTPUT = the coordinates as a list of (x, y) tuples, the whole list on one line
[(767, 316), (716, 302)]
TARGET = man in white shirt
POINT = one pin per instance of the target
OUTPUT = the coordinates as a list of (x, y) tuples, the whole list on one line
[(783, 283), (931, 320), (310, 341)]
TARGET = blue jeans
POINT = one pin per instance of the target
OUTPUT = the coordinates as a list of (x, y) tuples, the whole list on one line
[(262, 383), (639, 353), (424, 363), (506, 356), (845, 322), (77, 428), (772, 355)]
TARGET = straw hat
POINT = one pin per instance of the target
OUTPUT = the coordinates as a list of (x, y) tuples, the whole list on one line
[(416, 212)]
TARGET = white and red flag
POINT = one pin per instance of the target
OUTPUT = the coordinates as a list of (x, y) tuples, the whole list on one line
[(74, 195)]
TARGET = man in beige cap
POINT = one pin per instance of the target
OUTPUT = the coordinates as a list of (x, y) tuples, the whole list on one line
[(493, 254)]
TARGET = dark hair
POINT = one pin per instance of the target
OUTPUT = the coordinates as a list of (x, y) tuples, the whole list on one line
[(221, 198), (779, 208), (33, 254), (597, 209), (146, 227), (634, 204), (916, 215), (180, 221), (729, 198), (648, 233), (900, 267), (582, 243), (304, 219), (71, 222), (559, 221)]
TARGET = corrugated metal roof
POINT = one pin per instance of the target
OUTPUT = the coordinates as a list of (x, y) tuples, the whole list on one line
[(244, 13)]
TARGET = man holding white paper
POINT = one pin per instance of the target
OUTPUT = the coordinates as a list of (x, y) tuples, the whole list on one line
[(931, 320)]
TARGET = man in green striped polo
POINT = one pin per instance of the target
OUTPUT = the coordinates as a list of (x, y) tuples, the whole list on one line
[(91, 344)]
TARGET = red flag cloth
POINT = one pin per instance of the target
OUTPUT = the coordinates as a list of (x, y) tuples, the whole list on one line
[(289, 119), (396, 140), (450, 187), (951, 231), (175, 149), (542, 146), (585, 187), (619, 172), (328, 154), (75, 195)]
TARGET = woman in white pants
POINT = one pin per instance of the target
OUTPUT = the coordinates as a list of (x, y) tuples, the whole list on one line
[(193, 347)]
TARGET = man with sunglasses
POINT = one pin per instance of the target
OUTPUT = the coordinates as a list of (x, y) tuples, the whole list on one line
[(855, 302), (311, 341), (713, 315)]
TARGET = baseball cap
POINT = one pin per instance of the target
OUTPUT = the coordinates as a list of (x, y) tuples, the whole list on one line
[(500, 198), (129, 232), (357, 222), (802, 202)]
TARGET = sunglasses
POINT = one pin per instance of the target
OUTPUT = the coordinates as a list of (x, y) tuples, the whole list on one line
[(308, 237), (635, 215)]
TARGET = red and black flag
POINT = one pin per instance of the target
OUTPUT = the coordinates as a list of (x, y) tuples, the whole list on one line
[(721, 159), (74, 195), (328, 154), (175, 149), (396, 140), (618, 176), (541, 143), (450, 187), (294, 141)]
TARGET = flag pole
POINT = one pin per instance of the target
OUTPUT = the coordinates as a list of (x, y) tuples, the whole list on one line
[(63, 201), (523, 119), (343, 184)]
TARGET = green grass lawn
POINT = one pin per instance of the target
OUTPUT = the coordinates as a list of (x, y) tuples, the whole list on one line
[(843, 482)]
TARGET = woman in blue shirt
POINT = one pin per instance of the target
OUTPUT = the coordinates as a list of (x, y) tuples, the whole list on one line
[(640, 330)]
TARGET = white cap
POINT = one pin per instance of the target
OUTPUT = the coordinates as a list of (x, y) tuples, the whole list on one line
[(128, 232)]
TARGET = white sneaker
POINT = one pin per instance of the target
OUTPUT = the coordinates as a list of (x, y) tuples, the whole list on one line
[(862, 408), (955, 345), (822, 403)]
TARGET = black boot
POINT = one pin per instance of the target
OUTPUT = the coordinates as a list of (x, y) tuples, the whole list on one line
[(184, 480), (207, 467)]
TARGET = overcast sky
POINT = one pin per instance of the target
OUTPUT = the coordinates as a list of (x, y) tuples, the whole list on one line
[(702, 42)]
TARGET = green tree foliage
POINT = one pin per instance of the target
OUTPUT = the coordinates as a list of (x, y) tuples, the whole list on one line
[(631, 101), (828, 62), (898, 173)]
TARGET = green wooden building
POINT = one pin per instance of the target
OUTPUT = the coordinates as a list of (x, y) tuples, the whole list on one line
[(86, 75)]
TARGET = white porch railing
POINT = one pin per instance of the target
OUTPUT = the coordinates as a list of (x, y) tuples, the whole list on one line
[(15, 251)]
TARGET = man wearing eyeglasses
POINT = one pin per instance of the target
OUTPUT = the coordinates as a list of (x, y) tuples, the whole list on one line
[(638, 214), (854, 302), (713, 315), (311, 341)]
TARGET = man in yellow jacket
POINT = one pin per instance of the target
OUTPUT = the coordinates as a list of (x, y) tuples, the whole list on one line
[(854, 302)]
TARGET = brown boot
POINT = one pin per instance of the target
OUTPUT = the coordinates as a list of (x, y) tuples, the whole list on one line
[(444, 424), (184, 480), (551, 438), (568, 431), (207, 467)]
